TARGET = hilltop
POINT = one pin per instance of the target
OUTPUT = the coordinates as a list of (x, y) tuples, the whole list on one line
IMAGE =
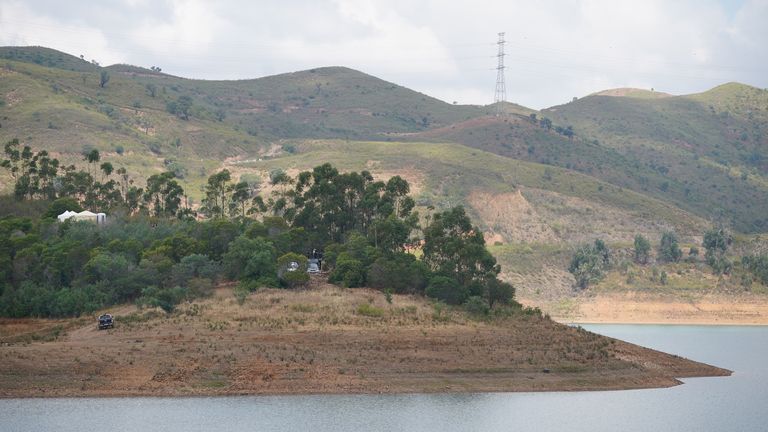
[(633, 93)]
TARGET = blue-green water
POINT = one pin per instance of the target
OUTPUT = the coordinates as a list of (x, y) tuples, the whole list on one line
[(736, 403)]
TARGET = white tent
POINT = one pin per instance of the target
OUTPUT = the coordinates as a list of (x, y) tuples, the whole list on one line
[(66, 215), (84, 215)]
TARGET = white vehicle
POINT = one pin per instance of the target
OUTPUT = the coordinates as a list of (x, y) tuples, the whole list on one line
[(313, 268)]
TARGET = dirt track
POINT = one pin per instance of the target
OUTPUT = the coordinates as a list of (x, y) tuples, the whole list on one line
[(319, 341)]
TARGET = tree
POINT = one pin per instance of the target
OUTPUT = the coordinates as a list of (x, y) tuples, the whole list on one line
[(642, 249), (61, 205), (499, 292), (447, 289), (151, 89), (106, 169), (758, 265), (568, 131), (218, 194), (92, 156), (163, 195), (454, 248), (164, 298), (602, 251), (588, 264), (349, 272), (251, 260), (240, 202), (716, 242), (180, 107), (400, 272), (194, 266), (546, 123), (103, 78), (669, 251)]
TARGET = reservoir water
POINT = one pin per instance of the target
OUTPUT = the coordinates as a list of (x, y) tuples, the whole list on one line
[(736, 403)]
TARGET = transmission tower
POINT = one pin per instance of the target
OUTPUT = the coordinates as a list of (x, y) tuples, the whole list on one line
[(501, 89)]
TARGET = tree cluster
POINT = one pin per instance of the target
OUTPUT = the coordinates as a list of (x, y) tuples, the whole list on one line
[(155, 255), (38, 176)]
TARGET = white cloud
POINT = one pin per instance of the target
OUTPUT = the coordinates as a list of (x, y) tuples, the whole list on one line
[(20, 26), (191, 28)]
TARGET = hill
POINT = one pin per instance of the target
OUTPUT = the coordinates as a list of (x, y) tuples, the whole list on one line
[(53, 100), (703, 153), (610, 165), (323, 340), (708, 150)]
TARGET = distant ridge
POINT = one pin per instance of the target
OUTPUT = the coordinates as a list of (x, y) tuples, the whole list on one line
[(633, 93), (706, 153)]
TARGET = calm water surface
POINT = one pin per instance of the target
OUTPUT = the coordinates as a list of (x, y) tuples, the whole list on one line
[(737, 403)]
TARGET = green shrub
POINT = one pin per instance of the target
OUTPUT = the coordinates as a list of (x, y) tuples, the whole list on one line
[(447, 290), (401, 272), (477, 306), (388, 295), (164, 298), (758, 265), (348, 272), (292, 277), (252, 260), (369, 310), (194, 266), (669, 251), (642, 249), (500, 292), (61, 205), (589, 263)]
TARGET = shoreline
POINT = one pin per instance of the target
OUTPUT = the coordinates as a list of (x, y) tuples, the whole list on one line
[(662, 323), (656, 309), (317, 341), (678, 382)]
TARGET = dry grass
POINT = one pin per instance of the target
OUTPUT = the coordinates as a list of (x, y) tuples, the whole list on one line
[(326, 340)]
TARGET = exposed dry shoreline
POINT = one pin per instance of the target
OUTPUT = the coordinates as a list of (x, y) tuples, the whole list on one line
[(320, 342), (644, 308)]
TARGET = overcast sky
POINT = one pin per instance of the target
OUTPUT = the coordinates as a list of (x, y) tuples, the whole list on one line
[(555, 49)]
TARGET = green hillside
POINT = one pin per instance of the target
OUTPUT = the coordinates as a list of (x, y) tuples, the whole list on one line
[(704, 154), (447, 174), (710, 149)]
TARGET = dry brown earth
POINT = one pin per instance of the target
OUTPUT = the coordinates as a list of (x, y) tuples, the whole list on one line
[(640, 308), (323, 340)]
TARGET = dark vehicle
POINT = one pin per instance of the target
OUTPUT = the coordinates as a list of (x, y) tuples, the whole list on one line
[(106, 321)]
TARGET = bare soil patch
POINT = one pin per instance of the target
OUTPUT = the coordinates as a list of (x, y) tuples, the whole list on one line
[(321, 341), (640, 308)]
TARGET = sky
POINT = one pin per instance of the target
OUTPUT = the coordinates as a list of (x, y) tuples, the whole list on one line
[(555, 49)]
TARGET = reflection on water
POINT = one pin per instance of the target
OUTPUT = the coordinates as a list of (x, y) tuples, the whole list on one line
[(737, 403)]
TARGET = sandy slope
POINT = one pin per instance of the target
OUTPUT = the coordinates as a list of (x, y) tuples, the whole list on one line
[(640, 308)]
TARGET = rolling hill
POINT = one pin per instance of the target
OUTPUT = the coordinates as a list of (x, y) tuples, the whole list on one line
[(609, 165)]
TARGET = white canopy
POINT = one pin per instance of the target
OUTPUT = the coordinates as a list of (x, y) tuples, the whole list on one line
[(66, 215), (85, 215)]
